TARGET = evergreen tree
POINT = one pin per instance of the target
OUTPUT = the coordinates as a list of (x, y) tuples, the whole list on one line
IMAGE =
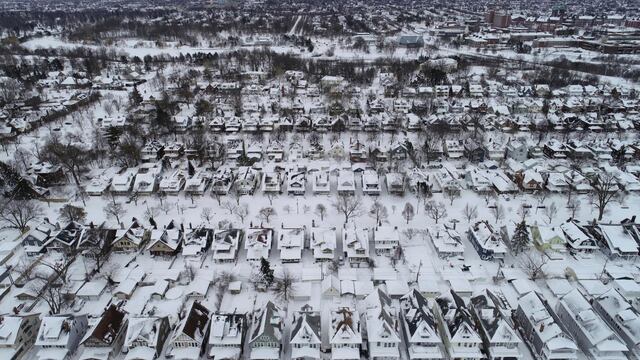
[(134, 97), (266, 271), (520, 240)]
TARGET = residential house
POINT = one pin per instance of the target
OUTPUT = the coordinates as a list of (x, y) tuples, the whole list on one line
[(386, 239), (131, 238), (474, 151), (152, 152), (266, 333), (271, 182), (419, 327), (346, 182), (59, 336), (499, 339), (105, 336), (548, 238), (306, 334), (321, 184), (189, 339), (371, 182), (196, 241), (95, 241), (593, 335), (621, 316), (36, 240), (355, 243), (382, 324), (486, 241), (258, 243), (145, 337), (67, 238), (17, 335), (198, 183), (395, 183), (246, 181), (345, 335), (538, 325), (447, 241), (296, 183), (122, 183), (225, 244), (291, 243), (174, 183), (618, 243), (578, 238), (165, 242), (457, 329), (222, 180), (323, 243), (226, 336)]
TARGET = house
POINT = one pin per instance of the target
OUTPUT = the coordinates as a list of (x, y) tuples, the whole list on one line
[(345, 335), (620, 316), (67, 238), (474, 151), (271, 182), (291, 243), (105, 336), (225, 244), (198, 183), (547, 238), (95, 240), (554, 149), (196, 241), (145, 337), (92, 290), (539, 328), (296, 182), (448, 242), (189, 338), (35, 241), (321, 184), (165, 242), (419, 327), (457, 329), (198, 288), (499, 339), (371, 182), (486, 241), (45, 174), (454, 149), (577, 237), (266, 333), (323, 243), (386, 240), (306, 334), (246, 180), (395, 183), (226, 336), (131, 238), (152, 152), (593, 335), (222, 180), (530, 180), (346, 182), (17, 335), (174, 183), (410, 41), (122, 183), (355, 242), (59, 336), (616, 240), (382, 322), (258, 243)]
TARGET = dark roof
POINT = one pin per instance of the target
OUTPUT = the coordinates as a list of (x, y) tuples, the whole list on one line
[(264, 324), (310, 317), (109, 326), (197, 319), (423, 312)]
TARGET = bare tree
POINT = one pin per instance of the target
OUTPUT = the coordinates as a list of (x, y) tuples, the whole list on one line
[(573, 207), (271, 196), (69, 213), (408, 213), (18, 214), (229, 206), (71, 156), (604, 187), (410, 233), (206, 214), (551, 211), (283, 286), (470, 212), (266, 213), (242, 212), (114, 210), (321, 211), (378, 211), (217, 196), (533, 263), (349, 206), (451, 195), (498, 212), (435, 210)]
